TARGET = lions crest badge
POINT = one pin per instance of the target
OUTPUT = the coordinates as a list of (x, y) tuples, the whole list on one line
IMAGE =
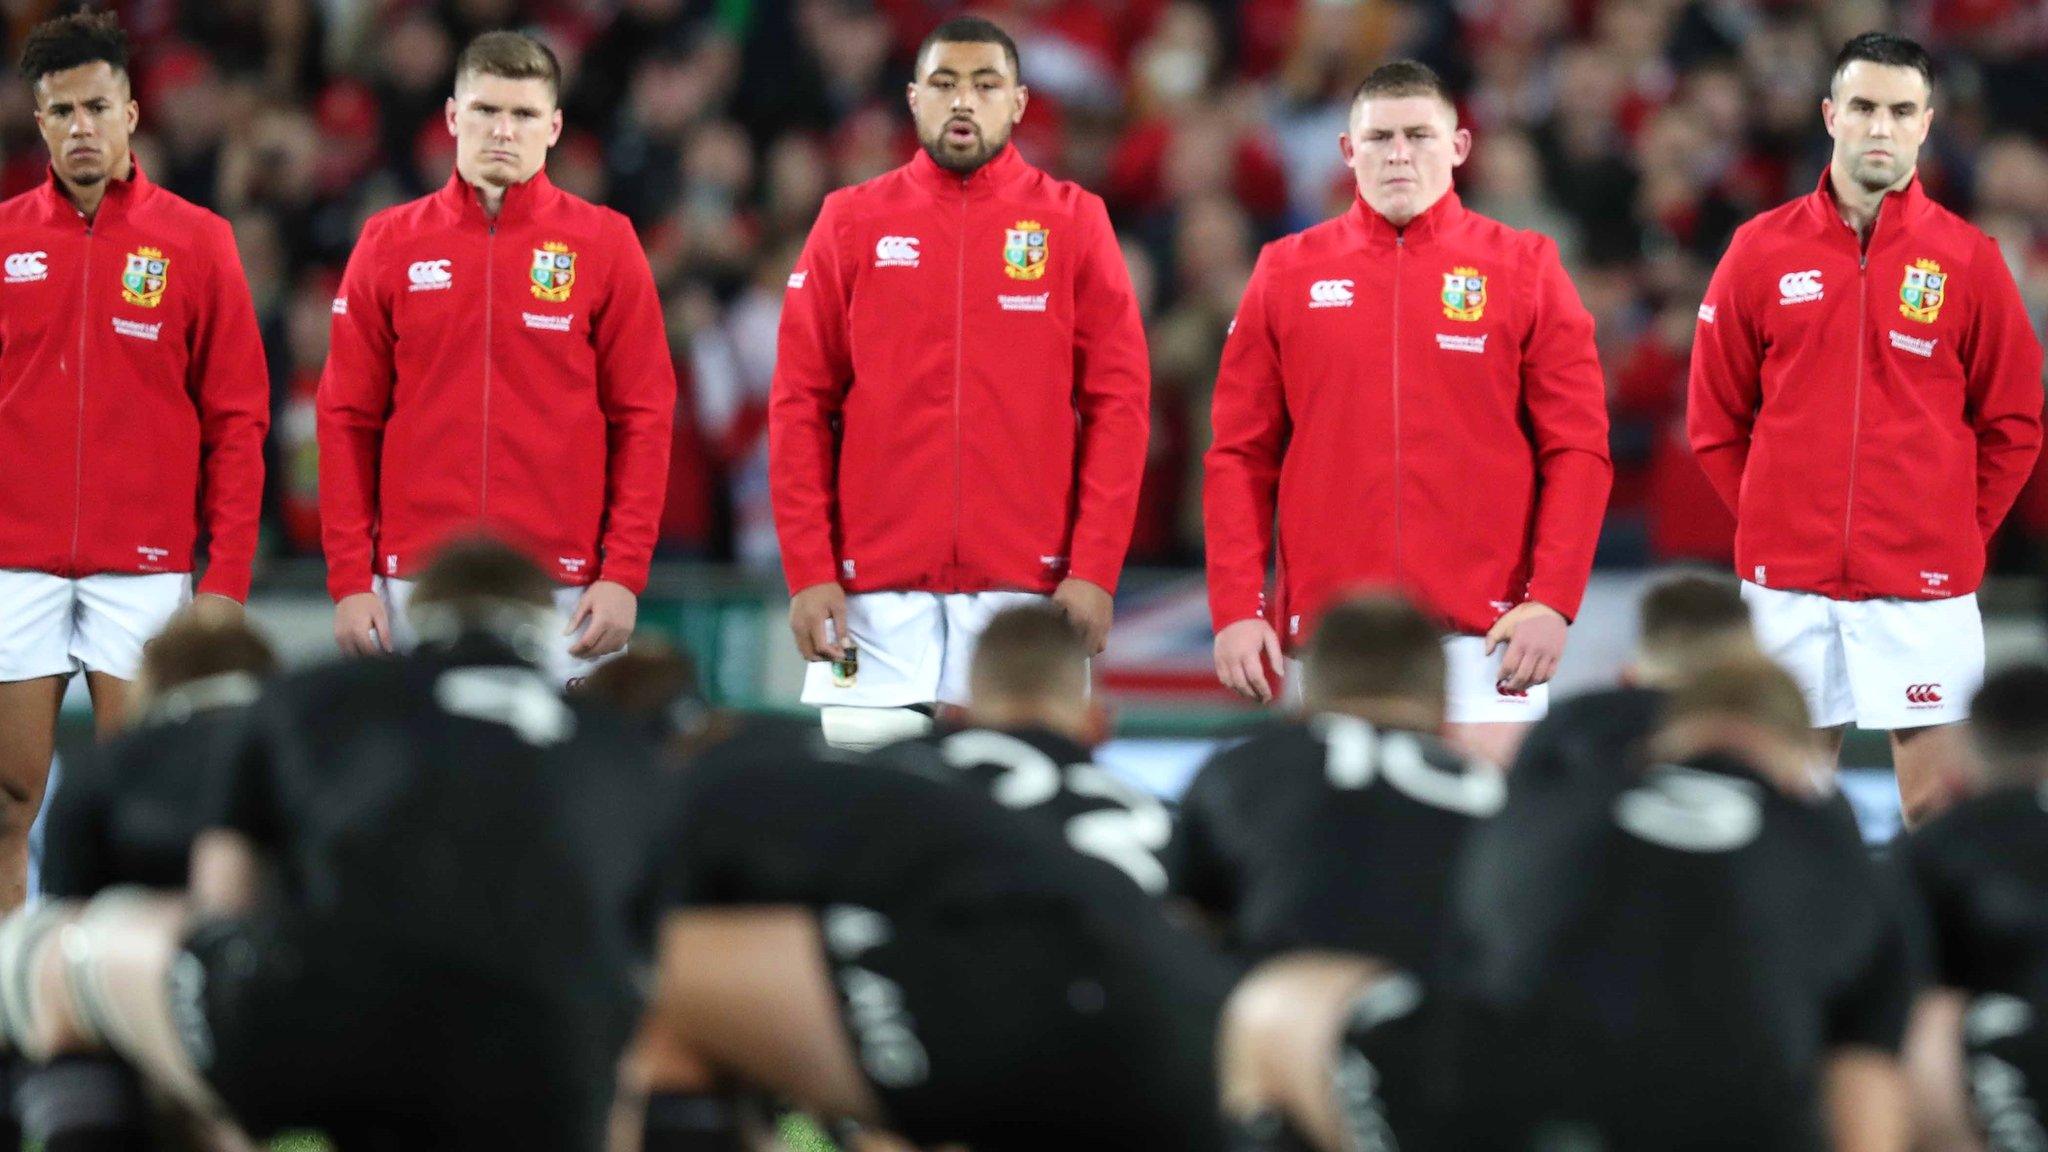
[(554, 272), (1464, 294), (1923, 290), (144, 279), (1025, 251)]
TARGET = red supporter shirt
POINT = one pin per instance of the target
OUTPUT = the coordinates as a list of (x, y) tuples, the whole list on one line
[(133, 394), (1869, 411), (961, 388), (1424, 410), (509, 375)]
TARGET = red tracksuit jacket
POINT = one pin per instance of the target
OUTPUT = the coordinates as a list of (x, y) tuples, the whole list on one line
[(1423, 407), (510, 375), (133, 393), (1869, 412), (961, 387)]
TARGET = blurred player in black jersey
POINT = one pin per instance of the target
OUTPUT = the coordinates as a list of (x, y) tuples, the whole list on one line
[(1030, 731), (1339, 831), (126, 812), (416, 913), (1693, 957), (1684, 622), (1979, 1046), (891, 947)]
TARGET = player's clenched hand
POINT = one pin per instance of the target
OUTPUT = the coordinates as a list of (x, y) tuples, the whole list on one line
[(817, 618), (1088, 607), (605, 615), (361, 626), (1244, 652), (1534, 634)]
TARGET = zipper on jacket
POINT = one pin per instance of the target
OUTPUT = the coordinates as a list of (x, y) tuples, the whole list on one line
[(1856, 403), (483, 494), (959, 337), (78, 457), (1400, 246)]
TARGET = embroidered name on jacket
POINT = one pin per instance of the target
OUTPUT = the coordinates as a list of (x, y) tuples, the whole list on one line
[(1915, 345), (546, 323), (1451, 343)]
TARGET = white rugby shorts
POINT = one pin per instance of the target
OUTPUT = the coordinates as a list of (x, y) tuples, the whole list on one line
[(1472, 691), (1877, 664), (913, 648), (56, 626), (556, 664)]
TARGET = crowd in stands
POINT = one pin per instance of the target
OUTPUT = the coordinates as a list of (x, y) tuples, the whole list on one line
[(1637, 133)]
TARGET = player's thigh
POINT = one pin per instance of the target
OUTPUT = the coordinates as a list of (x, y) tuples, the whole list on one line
[(28, 736), (36, 612), (1913, 664), (130, 981), (899, 640), (1472, 691), (1279, 1041), (1800, 631), (118, 614), (967, 616), (749, 991)]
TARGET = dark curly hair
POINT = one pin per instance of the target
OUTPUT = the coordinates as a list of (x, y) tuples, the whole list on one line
[(67, 42)]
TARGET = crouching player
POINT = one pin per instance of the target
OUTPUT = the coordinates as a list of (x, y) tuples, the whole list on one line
[(1697, 957), (446, 959), (895, 948)]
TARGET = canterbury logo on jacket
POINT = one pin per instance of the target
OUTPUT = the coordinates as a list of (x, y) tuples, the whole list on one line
[(510, 375), (1423, 408), (1870, 412), (133, 394), (961, 387)]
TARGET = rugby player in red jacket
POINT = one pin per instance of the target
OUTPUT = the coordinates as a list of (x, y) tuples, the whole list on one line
[(1866, 396), (133, 405), (498, 364), (958, 417), (1411, 390)]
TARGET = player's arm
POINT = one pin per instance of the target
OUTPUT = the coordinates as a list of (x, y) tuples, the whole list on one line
[(1865, 1100), (2002, 371), (813, 370), (76, 862), (1566, 399), (1199, 881), (1240, 485), (636, 389), (230, 383), (1936, 1068), (352, 406), (1726, 384), (239, 815), (1112, 394)]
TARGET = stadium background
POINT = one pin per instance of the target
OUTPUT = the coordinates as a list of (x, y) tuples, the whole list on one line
[(1637, 133)]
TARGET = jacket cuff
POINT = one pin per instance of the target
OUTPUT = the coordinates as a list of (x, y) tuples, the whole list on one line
[(1564, 600), (628, 575), (1104, 577), (229, 580), (341, 586), (801, 572)]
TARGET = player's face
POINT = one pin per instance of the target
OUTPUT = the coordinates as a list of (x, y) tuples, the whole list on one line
[(86, 117), (503, 128), (1402, 150), (966, 99), (1879, 115)]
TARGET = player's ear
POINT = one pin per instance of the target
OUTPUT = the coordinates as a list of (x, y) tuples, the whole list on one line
[(1827, 114), (1100, 723), (1345, 147), (1461, 146), (1023, 98), (555, 128), (448, 113)]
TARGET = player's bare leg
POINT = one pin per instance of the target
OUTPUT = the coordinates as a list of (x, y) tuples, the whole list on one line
[(1277, 1048), (1932, 764), (1831, 743), (112, 700), (747, 992), (28, 739), (1495, 742)]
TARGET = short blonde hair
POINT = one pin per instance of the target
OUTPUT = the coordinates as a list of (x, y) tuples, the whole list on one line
[(511, 56)]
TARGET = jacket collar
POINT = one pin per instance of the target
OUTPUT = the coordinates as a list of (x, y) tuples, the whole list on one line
[(1006, 165), (1436, 219), (522, 201), (121, 196), (1896, 208)]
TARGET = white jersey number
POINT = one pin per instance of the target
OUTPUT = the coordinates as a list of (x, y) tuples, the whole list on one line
[(1360, 753), (513, 697), (1129, 836)]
